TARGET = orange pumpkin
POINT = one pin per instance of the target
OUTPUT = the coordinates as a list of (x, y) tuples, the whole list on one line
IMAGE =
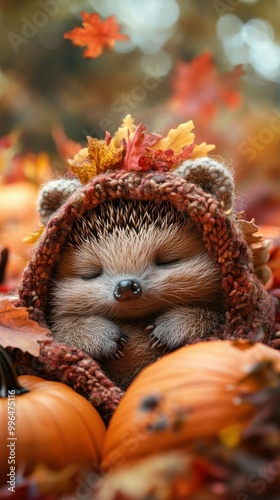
[(46, 423), (191, 394)]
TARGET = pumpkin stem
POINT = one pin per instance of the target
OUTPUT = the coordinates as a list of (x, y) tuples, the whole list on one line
[(8, 376), (3, 263)]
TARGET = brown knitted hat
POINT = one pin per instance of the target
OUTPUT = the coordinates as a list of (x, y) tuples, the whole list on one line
[(134, 165)]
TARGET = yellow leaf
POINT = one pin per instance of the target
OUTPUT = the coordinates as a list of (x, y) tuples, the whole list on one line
[(202, 150), (85, 171), (81, 155), (122, 132), (33, 237), (177, 138), (97, 158)]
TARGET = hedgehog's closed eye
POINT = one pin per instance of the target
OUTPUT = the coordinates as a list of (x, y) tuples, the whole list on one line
[(167, 262), (91, 276)]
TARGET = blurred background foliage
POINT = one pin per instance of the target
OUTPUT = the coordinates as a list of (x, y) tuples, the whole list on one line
[(51, 97)]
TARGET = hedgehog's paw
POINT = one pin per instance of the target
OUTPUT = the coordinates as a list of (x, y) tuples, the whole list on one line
[(183, 325), (97, 336), (108, 340)]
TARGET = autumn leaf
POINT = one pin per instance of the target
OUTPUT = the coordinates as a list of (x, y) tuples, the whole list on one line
[(164, 160), (198, 90), (18, 331), (181, 141), (177, 138), (126, 128), (97, 158), (95, 34), (65, 147), (34, 236), (136, 147), (202, 149)]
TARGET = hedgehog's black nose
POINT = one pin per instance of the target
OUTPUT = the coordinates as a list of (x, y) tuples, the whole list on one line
[(127, 290)]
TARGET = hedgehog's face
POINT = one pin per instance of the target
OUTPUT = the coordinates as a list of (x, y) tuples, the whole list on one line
[(135, 271)]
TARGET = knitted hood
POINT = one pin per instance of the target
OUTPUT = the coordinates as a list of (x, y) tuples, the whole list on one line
[(134, 165)]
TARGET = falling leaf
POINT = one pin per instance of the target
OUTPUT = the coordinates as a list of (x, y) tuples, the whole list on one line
[(17, 330), (95, 34), (198, 90), (97, 158)]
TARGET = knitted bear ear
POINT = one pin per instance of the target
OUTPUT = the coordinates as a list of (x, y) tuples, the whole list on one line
[(53, 195), (210, 176)]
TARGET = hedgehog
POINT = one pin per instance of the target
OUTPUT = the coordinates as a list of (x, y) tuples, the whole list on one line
[(141, 252), (134, 281)]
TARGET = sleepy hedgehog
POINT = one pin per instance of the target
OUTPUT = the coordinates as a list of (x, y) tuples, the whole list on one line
[(142, 253)]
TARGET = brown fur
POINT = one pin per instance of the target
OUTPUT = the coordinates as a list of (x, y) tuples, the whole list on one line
[(180, 300)]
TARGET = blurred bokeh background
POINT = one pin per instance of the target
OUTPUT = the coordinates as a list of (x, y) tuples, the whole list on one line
[(181, 61)]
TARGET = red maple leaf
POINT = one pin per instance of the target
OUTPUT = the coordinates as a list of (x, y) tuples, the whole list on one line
[(198, 89), (95, 34)]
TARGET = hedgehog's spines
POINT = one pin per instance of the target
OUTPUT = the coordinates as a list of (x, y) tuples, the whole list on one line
[(132, 215)]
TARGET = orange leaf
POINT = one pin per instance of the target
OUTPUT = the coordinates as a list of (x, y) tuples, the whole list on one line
[(17, 330), (95, 34), (198, 89), (65, 147)]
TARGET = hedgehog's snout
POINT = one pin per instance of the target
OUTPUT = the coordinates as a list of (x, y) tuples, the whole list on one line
[(128, 289)]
